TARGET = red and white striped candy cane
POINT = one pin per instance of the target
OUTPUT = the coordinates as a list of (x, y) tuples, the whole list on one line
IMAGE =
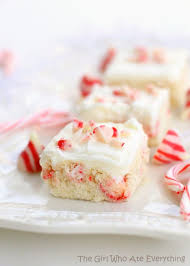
[(29, 159), (172, 176), (185, 202), (171, 149), (174, 184), (46, 118)]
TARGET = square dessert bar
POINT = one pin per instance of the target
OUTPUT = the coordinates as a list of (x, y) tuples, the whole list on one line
[(139, 67), (96, 162), (118, 104)]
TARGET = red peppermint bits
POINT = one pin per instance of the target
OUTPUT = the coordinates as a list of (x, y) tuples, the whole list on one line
[(111, 195), (91, 123), (107, 59), (115, 132), (77, 173), (141, 54), (77, 124), (48, 174), (103, 133), (119, 93), (87, 83), (64, 144)]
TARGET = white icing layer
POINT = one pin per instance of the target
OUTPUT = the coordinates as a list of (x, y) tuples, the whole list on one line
[(103, 105), (122, 68), (95, 154)]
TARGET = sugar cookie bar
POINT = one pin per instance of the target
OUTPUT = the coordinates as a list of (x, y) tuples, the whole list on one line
[(96, 162), (139, 67), (118, 104)]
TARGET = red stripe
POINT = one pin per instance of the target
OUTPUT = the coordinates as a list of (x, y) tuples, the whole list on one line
[(35, 156), (187, 192), (187, 104), (170, 178), (171, 132), (161, 160), (172, 184), (174, 146), (27, 162), (183, 169), (169, 155)]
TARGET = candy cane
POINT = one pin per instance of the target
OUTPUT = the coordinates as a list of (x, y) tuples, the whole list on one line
[(171, 177), (174, 184), (87, 83), (185, 202), (107, 59), (46, 118), (171, 149), (29, 159)]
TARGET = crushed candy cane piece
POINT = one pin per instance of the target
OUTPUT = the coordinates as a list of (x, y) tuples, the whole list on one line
[(119, 93), (115, 132), (103, 133), (91, 123), (87, 83), (171, 149), (113, 191), (77, 173), (141, 54), (29, 159), (107, 59), (64, 144), (48, 174), (77, 124)]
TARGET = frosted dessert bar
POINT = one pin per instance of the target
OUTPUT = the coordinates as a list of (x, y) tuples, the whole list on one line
[(96, 162), (118, 104), (139, 67)]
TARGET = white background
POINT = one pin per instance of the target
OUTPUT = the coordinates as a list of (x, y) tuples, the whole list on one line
[(29, 28)]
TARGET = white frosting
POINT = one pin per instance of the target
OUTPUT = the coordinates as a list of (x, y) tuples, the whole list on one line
[(122, 69), (146, 107), (95, 154)]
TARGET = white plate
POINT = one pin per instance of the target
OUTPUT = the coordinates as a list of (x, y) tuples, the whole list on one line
[(25, 203)]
